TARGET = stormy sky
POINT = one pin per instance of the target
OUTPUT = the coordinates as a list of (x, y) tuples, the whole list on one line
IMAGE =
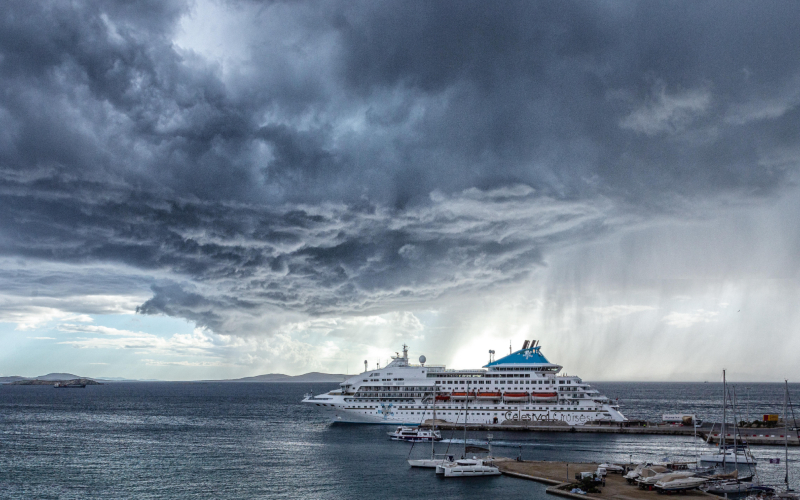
[(217, 189)]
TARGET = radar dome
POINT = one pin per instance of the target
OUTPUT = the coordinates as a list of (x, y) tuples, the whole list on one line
[(422, 359)]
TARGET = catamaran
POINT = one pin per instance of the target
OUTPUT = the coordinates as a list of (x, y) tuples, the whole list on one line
[(522, 386)]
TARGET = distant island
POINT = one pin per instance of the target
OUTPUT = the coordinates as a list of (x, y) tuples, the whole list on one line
[(313, 377), (52, 378), (73, 381)]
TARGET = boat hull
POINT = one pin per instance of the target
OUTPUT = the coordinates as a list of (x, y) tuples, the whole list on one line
[(729, 459), (471, 471), (427, 463)]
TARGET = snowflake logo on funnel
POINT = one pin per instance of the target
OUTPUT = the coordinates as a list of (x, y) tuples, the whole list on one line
[(528, 354)]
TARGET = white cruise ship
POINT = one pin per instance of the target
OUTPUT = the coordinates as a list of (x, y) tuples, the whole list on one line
[(523, 386)]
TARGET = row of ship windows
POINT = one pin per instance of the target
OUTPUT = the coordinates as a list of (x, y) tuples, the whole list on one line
[(477, 381), (560, 408), (488, 375), (495, 382), (501, 408), (427, 389)]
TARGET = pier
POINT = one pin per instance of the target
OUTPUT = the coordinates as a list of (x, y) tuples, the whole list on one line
[(561, 475), (633, 427), (708, 431)]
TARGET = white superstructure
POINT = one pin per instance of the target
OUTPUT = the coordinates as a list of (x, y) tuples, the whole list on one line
[(522, 386)]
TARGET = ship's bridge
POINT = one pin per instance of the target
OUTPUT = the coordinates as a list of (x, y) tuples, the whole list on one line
[(528, 358)]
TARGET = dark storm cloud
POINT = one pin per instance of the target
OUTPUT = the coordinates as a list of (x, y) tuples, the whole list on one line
[(363, 156)]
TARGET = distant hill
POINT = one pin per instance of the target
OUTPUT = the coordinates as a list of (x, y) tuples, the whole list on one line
[(58, 376), (313, 377), (308, 377), (37, 381)]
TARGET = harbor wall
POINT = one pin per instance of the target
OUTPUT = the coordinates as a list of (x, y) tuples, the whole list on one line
[(774, 437)]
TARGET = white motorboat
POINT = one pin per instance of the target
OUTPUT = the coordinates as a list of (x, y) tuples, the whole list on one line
[(415, 434), (735, 486), (650, 481), (679, 483), (611, 468), (468, 468), (649, 472), (634, 473)]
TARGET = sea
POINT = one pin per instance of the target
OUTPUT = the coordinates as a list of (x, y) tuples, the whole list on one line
[(152, 440)]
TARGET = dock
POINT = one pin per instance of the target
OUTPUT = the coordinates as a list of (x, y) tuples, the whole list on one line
[(635, 427), (560, 475), (707, 432)]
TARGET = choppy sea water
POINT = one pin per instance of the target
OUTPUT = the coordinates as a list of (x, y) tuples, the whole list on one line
[(238, 440)]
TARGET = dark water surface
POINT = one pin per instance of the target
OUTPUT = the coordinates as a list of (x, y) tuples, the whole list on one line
[(237, 440)]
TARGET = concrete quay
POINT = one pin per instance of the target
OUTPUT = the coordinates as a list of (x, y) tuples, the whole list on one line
[(559, 476), (708, 431), (615, 428)]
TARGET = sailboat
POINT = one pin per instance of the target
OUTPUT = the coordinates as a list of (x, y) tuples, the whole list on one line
[(467, 467), (433, 461), (787, 494), (728, 454)]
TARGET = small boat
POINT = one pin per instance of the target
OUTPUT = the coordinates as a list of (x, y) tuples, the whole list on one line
[(414, 434), (679, 484), (544, 396), (488, 396), (634, 473), (443, 397), (69, 385), (733, 487), (648, 480), (611, 468), (514, 397), (468, 468)]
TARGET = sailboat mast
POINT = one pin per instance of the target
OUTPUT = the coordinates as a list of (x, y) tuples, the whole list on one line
[(786, 430), (466, 410), (724, 416), (433, 434)]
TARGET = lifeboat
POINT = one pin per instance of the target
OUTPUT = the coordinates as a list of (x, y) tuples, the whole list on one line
[(462, 395), (544, 396), (488, 395), (515, 396), (443, 397)]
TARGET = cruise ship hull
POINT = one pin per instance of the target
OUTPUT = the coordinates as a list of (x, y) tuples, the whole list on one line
[(346, 416)]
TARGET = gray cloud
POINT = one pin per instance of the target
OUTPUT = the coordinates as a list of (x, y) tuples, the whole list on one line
[(368, 157)]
